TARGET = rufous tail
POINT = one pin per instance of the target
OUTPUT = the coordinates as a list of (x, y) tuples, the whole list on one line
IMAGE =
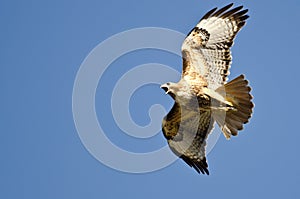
[(237, 93)]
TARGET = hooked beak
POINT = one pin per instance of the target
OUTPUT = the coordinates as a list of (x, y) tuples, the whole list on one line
[(165, 88)]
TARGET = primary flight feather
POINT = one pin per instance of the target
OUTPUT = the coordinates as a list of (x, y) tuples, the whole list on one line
[(202, 96)]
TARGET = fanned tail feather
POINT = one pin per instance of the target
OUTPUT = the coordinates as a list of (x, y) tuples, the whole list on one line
[(237, 92)]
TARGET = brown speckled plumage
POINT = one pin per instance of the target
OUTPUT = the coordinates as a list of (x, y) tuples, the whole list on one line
[(202, 97)]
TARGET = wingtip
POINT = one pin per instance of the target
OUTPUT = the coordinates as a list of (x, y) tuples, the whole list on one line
[(222, 10), (209, 13)]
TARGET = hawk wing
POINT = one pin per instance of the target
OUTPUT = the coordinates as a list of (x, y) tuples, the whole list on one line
[(186, 132), (206, 49)]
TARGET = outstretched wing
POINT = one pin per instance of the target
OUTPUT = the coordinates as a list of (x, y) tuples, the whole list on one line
[(186, 132), (206, 49)]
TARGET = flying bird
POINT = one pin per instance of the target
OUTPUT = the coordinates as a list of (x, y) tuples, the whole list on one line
[(203, 96)]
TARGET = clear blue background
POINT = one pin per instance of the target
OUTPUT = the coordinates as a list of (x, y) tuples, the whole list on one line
[(42, 45)]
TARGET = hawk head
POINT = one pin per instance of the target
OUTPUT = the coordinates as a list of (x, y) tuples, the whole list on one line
[(178, 91), (170, 88)]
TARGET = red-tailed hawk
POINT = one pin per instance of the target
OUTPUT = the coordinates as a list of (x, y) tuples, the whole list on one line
[(202, 96)]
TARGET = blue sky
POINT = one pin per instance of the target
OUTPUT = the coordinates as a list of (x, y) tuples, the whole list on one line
[(43, 44)]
